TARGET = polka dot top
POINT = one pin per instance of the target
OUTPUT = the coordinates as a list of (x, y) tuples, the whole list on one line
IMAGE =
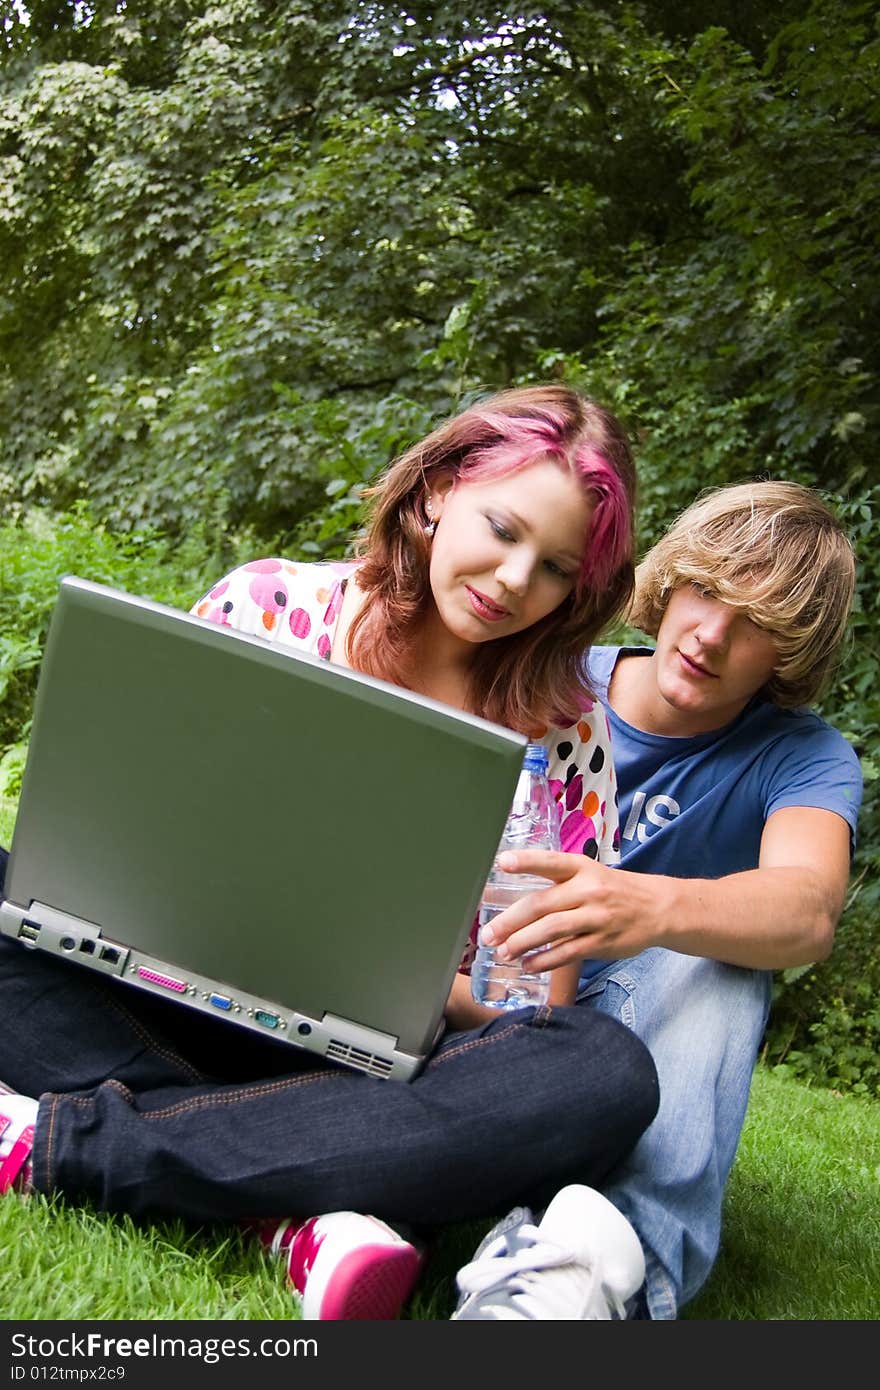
[(293, 605), (298, 605)]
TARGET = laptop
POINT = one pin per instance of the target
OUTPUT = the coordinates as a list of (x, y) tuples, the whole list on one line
[(258, 834)]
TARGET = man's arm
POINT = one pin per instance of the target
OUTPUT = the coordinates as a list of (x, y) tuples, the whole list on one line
[(781, 914)]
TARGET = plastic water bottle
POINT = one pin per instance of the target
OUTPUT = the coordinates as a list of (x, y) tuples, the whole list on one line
[(533, 823)]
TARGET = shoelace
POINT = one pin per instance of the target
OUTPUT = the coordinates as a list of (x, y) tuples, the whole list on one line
[(504, 1258), (511, 1267)]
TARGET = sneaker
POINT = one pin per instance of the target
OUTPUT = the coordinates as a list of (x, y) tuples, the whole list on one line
[(18, 1118), (583, 1261), (345, 1267)]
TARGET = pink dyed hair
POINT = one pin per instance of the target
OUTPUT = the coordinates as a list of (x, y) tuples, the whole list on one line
[(522, 440), (535, 677)]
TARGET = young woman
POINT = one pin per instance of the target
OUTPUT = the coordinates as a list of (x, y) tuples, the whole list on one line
[(494, 547), (497, 548)]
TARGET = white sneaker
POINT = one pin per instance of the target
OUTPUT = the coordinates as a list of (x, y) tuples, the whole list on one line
[(345, 1266), (18, 1118), (583, 1261)]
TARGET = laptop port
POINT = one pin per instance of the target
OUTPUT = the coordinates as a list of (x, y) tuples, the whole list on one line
[(268, 1020), (220, 1001), (110, 955), (28, 932), (154, 977), (87, 946)]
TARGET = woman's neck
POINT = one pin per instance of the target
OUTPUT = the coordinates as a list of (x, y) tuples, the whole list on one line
[(439, 665)]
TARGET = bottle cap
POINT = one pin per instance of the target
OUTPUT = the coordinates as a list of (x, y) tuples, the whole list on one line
[(536, 758)]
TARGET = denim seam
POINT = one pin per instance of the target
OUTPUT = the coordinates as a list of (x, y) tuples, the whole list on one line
[(50, 1142), (660, 1292), (615, 976), (541, 1018), (215, 1098), (168, 1054), (626, 982)]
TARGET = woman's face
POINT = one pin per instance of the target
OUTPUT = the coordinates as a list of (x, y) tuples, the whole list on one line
[(506, 553)]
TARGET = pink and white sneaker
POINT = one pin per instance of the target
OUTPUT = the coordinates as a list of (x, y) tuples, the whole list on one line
[(344, 1266), (18, 1118)]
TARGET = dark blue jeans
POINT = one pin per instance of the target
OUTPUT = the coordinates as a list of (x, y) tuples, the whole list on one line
[(148, 1109)]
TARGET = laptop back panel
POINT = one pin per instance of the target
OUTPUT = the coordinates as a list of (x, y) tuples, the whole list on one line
[(265, 825)]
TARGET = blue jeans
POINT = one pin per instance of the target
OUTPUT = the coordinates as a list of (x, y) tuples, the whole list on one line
[(703, 1023), (507, 1113), (149, 1109)]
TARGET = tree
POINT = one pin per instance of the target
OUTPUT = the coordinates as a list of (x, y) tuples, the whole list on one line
[(269, 211), (239, 240)]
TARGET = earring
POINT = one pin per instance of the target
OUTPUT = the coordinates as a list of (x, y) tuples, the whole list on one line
[(431, 525)]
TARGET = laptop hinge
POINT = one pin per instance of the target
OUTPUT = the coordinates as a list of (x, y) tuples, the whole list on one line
[(49, 929)]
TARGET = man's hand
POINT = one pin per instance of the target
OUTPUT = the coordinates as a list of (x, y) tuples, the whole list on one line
[(592, 911)]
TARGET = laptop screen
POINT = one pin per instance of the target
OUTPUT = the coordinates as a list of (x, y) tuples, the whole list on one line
[(295, 829)]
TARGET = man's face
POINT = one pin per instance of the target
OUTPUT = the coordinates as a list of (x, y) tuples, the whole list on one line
[(711, 659)]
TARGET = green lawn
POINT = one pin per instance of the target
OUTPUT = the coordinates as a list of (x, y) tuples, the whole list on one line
[(802, 1238), (801, 1235)]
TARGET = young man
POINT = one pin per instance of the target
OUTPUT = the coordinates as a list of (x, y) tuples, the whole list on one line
[(738, 810)]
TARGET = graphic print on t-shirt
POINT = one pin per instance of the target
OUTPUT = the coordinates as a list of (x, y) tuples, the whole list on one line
[(657, 810)]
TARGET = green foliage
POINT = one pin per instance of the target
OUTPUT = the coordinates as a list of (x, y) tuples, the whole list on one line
[(825, 1024), (352, 206), (359, 207), (359, 446)]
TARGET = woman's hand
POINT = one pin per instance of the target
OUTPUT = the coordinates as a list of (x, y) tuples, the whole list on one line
[(591, 911)]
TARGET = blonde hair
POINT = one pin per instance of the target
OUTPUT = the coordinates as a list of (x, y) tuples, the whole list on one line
[(776, 551), (535, 677)]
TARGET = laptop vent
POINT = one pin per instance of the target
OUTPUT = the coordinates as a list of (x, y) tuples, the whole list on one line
[(358, 1057)]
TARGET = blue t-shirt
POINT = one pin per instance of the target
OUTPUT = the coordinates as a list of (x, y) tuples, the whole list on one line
[(696, 807)]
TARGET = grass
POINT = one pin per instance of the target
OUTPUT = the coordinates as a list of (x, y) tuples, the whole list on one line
[(801, 1238), (801, 1235)]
